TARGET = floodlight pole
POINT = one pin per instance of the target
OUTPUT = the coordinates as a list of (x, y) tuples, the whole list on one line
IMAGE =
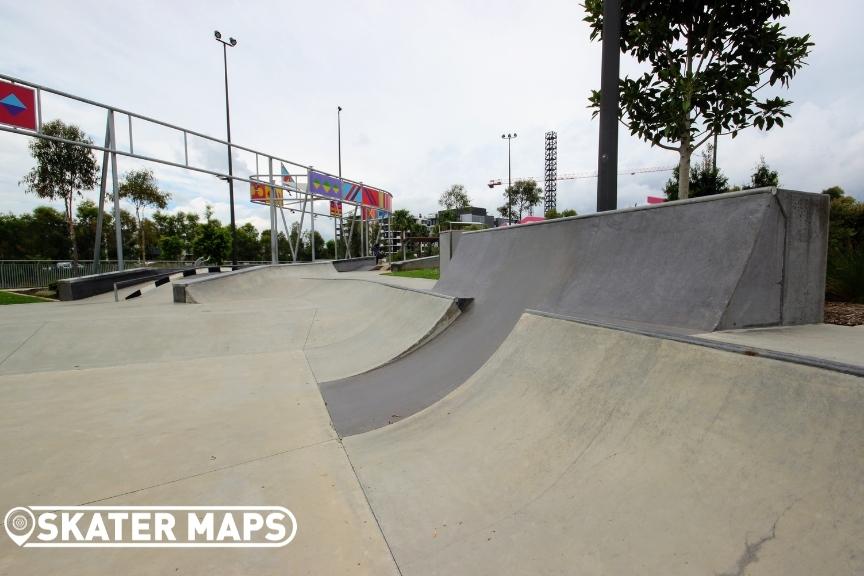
[(607, 162), (339, 144), (509, 137), (230, 42)]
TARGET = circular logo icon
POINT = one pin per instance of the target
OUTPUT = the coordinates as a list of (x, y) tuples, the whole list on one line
[(19, 524)]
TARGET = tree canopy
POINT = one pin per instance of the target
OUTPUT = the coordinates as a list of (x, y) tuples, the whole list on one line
[(141, 190), (707, 64), (763, 176), (62, 170), (522, 196), (454, 198)]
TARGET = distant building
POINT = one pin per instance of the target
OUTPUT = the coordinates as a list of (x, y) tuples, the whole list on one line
[(472, 215)]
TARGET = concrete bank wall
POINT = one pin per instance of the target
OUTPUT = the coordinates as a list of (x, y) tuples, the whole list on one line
[(732, 260), (416, 264)]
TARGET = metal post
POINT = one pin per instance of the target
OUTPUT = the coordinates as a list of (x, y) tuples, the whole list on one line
[(274, 228), (288, 236), (339, 142), (118, 221), (231, 42), (607, 163), (97, 244), (509, 137), (312, 234), (350, 233)]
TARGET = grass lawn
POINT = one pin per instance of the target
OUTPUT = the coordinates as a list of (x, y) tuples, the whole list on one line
[(12, 298), (428, 273)]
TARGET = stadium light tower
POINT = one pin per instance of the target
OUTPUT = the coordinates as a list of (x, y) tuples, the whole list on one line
[(225, 43), (509, 137)]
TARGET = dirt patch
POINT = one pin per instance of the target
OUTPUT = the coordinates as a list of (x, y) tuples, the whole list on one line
[(844, 313)]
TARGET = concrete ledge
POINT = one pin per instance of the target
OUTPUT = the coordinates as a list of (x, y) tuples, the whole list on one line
[(352, 264), (93, 284), (416, 264)]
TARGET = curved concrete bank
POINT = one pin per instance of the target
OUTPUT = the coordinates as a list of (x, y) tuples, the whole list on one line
[(584, 450), (729, 261), (357, 324)]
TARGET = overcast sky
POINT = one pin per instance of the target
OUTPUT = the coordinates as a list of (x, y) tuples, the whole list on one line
[(427, 89)]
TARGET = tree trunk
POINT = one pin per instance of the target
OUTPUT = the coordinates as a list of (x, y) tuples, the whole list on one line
[(71, 223), (684, 170)]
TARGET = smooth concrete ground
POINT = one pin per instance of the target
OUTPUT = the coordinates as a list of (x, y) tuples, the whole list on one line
[(583, 450), (571, 449), (825, 341), (149, 402)]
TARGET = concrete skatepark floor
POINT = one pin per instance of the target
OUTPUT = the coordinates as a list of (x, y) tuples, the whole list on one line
[(516, 435)]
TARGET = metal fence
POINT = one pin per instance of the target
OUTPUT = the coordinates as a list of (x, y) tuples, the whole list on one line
[(42, 273)]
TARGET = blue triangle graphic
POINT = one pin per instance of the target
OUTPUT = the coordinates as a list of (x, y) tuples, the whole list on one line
[(13, 105)]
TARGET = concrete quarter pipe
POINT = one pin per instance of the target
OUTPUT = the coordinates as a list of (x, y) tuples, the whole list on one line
[(755, 258)]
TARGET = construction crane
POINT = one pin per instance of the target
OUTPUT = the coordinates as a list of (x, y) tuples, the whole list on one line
[(581, 175)]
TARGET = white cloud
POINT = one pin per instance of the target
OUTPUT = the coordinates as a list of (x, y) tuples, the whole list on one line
[(427, 90)]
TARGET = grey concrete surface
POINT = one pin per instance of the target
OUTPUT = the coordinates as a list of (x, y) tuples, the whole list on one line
[(416, 264), (246, 429), (698, 265), (583, 450), (826, 341)]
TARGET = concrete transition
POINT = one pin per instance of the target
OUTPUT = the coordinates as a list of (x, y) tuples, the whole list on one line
[(636, 392), (737, 260), (584, 450), (415, 264)]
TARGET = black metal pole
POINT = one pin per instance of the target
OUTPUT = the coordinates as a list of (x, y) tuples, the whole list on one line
[(230, 162), (509, 186), (339, 138), (607, 163)]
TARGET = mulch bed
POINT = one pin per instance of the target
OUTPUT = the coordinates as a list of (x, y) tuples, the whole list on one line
[(844, 313)]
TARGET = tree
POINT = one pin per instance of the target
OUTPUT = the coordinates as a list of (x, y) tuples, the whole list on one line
[(213, 241), (62, 170), (763, 176), (140, 189), (705, 179), (171, 248), (522, 196), (845, 278), (180, 225), (248, 247), (454, 198), (402, 221), (552, 214), (708, 62)]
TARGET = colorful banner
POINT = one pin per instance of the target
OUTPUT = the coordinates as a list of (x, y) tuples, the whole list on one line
[(335, 209), (327, 186), (260, 192), (17, 105)]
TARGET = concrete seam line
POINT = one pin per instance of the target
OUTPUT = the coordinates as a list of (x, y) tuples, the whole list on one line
[(734, 291), (351, 464), (220, 469), (371, 510), (309, 331), (396, 286), (811, 361), (17, 348)]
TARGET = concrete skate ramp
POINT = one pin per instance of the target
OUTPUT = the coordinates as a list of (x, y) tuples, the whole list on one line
[(585, 450), (357, 325), (729, 261)]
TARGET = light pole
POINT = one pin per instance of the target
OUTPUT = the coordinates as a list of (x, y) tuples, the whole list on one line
[(230, 42), (509, 137), (339, 143)]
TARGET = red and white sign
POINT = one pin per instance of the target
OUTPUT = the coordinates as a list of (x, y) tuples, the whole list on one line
[(17, 105)]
